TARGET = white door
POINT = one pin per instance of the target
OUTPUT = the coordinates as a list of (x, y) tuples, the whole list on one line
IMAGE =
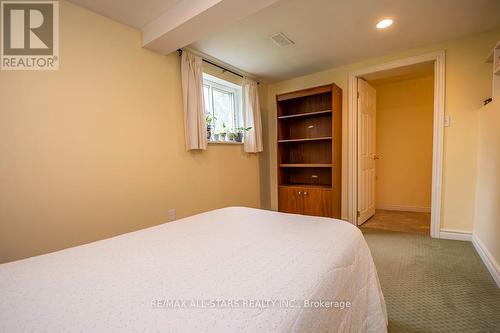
[(366, 150)]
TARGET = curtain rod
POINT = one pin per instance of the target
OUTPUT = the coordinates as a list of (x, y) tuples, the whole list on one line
[(214, 64)]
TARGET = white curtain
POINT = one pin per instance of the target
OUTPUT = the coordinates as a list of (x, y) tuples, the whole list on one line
[(251, 116), (194, 109)]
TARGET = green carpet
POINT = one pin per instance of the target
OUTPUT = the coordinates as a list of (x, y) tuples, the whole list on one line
[(434, 285)]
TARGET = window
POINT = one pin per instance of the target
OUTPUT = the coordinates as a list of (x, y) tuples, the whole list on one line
[(223, 109)]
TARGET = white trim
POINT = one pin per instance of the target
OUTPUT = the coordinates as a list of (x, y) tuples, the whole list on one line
[(404, 208), (439, 108), (487, 258), (454, 234), (224, 143)]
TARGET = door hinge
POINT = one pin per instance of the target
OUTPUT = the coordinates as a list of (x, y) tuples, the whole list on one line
[(359, 213), (358, 94)]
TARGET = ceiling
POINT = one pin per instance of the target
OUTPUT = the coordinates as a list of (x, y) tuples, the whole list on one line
[(410, 72), (168, 25), (329, 33), (135, 13)]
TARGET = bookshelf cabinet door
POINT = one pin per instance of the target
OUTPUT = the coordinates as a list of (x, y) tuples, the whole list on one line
[(318, 202), (291, 200)]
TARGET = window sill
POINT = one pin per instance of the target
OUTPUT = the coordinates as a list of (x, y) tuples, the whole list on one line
[(225, 143)]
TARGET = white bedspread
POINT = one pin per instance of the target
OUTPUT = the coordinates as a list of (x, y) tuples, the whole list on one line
[(251, 269)]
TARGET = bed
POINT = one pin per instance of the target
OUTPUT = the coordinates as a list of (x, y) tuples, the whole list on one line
[(229, 270)]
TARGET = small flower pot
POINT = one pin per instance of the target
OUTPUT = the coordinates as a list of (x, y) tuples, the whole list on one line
[(209, 131)]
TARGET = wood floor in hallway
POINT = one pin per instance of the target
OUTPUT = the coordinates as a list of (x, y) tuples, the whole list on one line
[(412, 222)]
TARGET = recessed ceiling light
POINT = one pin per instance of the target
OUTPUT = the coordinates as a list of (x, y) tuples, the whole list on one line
[(384, 23)]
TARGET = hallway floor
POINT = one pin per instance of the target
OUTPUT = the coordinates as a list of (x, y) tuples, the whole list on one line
[(412, 222)]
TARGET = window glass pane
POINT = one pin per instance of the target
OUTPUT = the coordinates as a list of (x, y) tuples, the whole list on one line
[(223, 102), (223, 109), (206, 98)]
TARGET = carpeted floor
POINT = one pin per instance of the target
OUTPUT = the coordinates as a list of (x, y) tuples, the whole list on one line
[(433, 285)]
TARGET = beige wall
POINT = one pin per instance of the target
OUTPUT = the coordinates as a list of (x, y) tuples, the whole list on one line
[(487, 224), (96, 149), (468, 83), (404, 143)]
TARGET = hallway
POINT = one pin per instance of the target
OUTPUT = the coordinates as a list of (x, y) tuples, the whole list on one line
[(411, 222)]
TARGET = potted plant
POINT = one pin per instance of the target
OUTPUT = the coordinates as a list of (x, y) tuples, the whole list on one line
[(232, 136), (222, 134), (240, 131), (216, 136), (210, 120)]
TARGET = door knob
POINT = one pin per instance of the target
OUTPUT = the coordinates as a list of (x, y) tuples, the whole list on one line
[(305, 193), (300, 192)]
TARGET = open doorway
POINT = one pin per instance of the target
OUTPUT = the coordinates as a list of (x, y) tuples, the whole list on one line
[(395, 144), (396, 109)]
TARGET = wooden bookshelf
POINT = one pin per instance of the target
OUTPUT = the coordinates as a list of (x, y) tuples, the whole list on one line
[(306, 165), (305, 139), (309, 151), (327, 187), (308, 114)]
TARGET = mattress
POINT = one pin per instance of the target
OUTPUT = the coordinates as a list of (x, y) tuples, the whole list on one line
[(229, 270)]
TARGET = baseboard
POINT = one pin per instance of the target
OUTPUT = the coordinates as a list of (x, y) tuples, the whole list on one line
[(487, 258), (455, 234), (404, 208)]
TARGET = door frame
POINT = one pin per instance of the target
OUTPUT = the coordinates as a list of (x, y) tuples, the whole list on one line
[(438, 58)]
